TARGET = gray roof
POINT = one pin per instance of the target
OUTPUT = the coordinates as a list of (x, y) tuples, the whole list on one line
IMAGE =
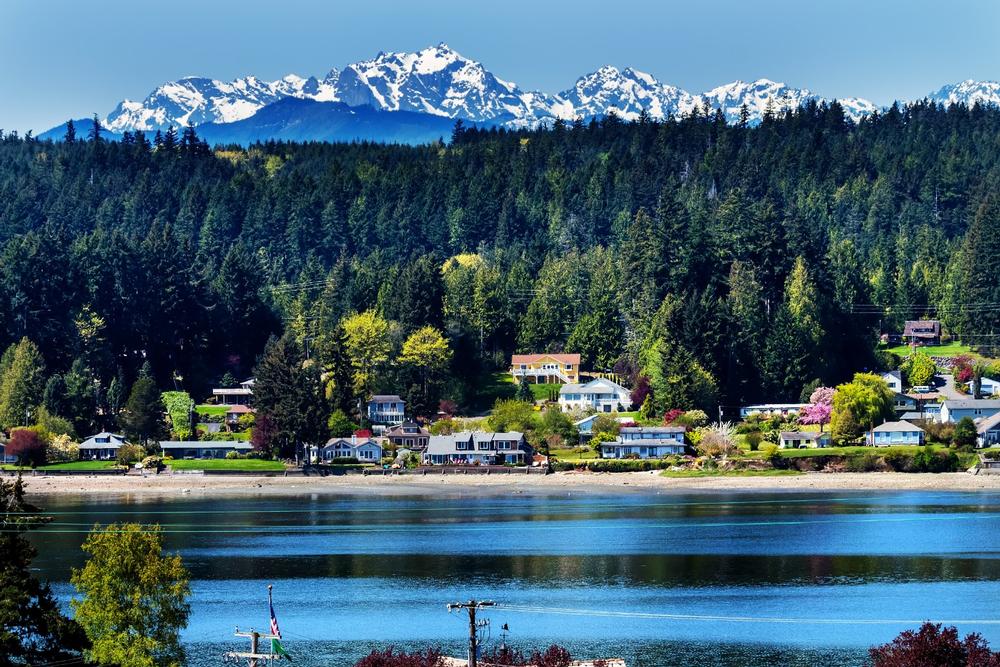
[(385, 398), (897, 427), (205, 444), (445, 444), (116, 441), (652, 429), (896, 374), (571, 388), (988, 424), (971, 403), (803, 435), (234, 391)]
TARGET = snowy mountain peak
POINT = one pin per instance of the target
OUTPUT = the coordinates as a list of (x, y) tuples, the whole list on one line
[(441, 81), (968, 92)]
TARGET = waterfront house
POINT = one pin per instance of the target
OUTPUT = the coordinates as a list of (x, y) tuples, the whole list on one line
[(101, 446), (922, 332), (409, 435), (988, 431), (772, 409), (600, 395), (896, 433), (242, 395), (645, 442), (975, 408), (803, 439), (546, 368), (988, 387), (204, 449), (904, 402), (364, 450), (478, 448), (386, 409), (894, 379), (234, 412)]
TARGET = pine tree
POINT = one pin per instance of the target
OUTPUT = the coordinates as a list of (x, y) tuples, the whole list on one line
[(70, 136), (95, 131), (289, 393), (22, 385)]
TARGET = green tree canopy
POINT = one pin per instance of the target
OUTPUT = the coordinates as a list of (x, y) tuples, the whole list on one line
[(132, 597), (860, 405)]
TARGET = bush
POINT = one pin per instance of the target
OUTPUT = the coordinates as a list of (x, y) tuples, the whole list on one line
[(234, 456), (27, 445), (152, 463), (62, 448), (934, 645), (939, 433), (129, 454), (769, 449), (692, 419), (754, 439), (965, 433), (867, 462)]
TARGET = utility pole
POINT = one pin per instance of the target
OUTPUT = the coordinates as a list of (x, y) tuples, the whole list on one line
[(472, 606), (253, 658)]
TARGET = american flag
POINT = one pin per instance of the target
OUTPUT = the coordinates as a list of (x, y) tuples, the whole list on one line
[(274, 620)]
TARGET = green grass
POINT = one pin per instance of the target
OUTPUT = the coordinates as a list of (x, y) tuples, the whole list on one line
[(542, 392), (572, 456), (489, 388), (226, 464), (728, 473), (946, 350), (211, 409), (72, 465)]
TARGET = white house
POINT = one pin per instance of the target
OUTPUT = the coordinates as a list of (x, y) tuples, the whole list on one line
[(988, 431), (478, 448), (896, 433), (242, 395), (600, 395), (895, 380), (803, 439), (989, 387), (386, 409), (976, 409), (101, 447), (645, 442), (364, 450), (782, 409)]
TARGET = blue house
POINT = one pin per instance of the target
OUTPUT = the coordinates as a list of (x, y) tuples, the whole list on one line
[(896, 433), (975, 409), (645, 442), (388, 409), (362, 449)]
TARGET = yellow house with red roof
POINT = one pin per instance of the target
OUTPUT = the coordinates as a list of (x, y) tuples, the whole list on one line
[(547, 368)]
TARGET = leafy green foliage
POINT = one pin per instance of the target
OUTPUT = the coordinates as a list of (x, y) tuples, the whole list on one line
[(179, 407), (918, 368), (33, 630), (860, 405), (132, 597)]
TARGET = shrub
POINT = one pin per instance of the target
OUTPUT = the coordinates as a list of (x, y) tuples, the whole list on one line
[(867, 462), (939, 433), (233, 456), (28, 445), (389, 658), (692, 419), (670, 416), (964, 434), (754, 439), (717, 441), (129, 454), (934, 645), (898, 462), (152, 463), (62, 448)]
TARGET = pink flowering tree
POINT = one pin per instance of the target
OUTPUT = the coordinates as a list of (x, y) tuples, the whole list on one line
[(819, 408)]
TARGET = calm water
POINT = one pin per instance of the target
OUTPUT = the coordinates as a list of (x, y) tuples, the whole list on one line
[(731, 579)]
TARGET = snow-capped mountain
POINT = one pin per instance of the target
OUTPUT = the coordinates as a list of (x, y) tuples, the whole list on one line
[(626, 93), (441, 82), (968, 92)]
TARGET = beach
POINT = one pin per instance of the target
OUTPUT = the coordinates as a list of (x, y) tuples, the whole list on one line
[(564, 483)]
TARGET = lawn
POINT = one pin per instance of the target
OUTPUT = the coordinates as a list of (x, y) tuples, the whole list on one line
[(211, 409), (489, 388), (728, 473), (226, 464), (946, 350), (72, 465), (542, 392), (573, 456)]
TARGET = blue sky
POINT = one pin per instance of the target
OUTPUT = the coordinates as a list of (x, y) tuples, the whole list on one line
[(65, 58)]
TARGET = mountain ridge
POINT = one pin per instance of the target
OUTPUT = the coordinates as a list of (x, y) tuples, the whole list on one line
[(439, 81)]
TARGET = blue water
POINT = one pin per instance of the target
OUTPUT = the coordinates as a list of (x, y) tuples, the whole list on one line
[(715, 579)]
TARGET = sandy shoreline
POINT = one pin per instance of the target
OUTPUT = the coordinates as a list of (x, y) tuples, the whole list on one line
[(187, 486)]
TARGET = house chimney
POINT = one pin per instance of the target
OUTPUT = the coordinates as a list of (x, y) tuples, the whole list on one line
[(354, 439)]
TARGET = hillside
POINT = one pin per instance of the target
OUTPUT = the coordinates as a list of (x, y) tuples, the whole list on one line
[(732, 257)]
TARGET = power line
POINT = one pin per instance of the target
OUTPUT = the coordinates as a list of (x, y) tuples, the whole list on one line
[(472, 606), (529, 609)]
